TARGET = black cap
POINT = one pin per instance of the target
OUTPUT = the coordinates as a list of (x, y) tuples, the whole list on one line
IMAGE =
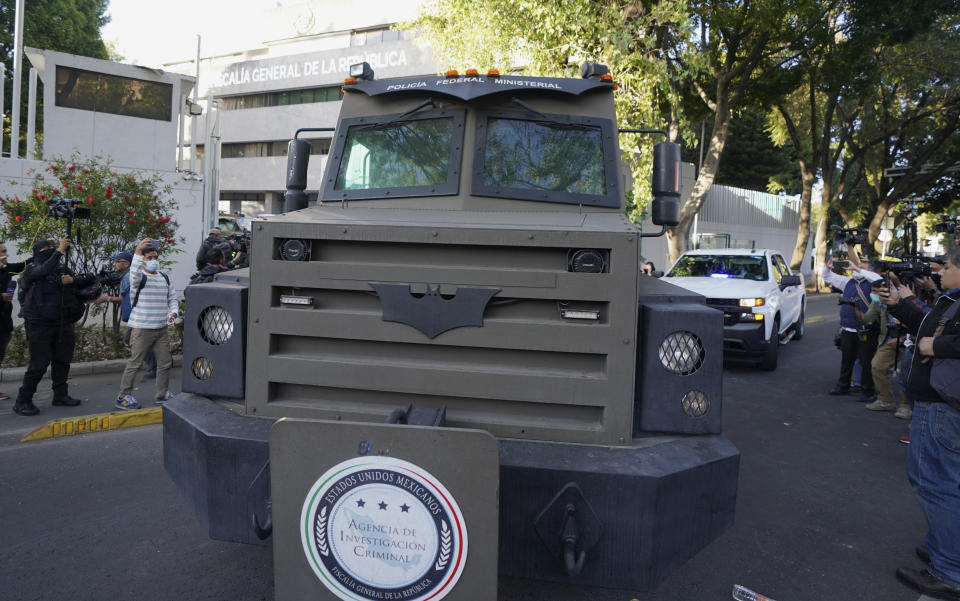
[(41, 245)]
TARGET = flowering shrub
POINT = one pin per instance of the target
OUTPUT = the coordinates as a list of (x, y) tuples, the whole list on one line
[(124, 208)]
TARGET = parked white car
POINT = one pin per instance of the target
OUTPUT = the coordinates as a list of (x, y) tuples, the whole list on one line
[(763, 302)]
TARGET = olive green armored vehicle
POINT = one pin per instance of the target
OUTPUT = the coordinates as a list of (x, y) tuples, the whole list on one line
[(450, 369)]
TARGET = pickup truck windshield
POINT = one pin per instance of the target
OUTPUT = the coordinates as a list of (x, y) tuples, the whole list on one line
[(403, 154), (752, 267)]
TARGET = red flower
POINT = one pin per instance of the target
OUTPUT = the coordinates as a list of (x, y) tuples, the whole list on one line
[(126, 197), (41, 196), (56, 190), (154, 196), (129, 211), (34, 192), (85, 170), (73, 167), (16, 201), (89, 200), (79, 186), (18, 219), (132, 221), (53, 167), (169, 240), (149, 217), (109, 192)]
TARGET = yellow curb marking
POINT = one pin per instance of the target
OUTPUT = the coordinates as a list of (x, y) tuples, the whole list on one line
[(71, 426), (814, 319)]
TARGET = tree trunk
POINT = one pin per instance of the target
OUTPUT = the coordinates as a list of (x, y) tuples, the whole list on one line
[(803, 229), (678, 237)]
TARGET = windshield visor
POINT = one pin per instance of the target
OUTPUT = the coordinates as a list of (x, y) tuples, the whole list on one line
[(568, 160), (721, 266), (390, 159)]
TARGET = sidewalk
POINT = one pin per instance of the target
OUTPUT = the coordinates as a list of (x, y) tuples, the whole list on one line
[(96, 383)]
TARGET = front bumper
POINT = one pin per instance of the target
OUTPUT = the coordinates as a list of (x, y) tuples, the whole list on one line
[(745, 339)]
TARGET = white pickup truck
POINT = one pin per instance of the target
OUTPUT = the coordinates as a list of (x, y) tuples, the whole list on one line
[(763, 302)]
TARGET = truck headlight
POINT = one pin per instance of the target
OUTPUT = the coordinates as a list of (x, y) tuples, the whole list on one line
[(751, 317), (752, 302)]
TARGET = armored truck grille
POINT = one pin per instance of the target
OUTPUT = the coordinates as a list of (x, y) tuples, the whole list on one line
[(367, 341)]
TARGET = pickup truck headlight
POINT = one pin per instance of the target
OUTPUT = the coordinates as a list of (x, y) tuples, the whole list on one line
[(752, 302)]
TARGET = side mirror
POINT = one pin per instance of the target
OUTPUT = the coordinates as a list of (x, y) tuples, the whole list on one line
[(789, 280), (665, 209), (657, 274), (298, 156)]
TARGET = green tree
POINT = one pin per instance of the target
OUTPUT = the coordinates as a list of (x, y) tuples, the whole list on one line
[(122, 209), (71, 26), (552, 38)]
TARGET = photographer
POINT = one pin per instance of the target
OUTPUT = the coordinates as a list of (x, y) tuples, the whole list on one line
[(50, 308), (933, 461), (214, 238), (857, 340)]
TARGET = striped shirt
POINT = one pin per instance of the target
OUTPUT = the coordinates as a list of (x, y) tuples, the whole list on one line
[(157, 299)]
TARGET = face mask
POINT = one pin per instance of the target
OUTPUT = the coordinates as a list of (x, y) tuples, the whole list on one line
[(152, 265), (43, 255), (875, 298)]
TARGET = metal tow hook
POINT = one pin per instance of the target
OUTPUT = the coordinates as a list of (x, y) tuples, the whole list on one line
[(263, 531), (569, 537)]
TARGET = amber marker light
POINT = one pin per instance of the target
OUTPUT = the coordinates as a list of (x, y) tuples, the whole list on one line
[(493, 73), (452, 73), (606, 77), (350, 80), (471, 73)]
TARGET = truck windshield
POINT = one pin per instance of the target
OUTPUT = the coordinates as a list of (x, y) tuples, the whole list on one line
[(534, 155), (750, 267), (547, 158), (404, 154)]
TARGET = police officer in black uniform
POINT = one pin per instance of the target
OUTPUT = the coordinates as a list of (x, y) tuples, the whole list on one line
[(50, 309)]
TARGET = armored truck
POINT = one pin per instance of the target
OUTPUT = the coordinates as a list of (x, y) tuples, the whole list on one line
[(449, 368)]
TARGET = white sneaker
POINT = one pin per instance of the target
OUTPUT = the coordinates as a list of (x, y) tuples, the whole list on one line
[(904, 412)]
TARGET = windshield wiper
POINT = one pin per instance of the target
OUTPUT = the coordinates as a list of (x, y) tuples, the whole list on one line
[(428, 102)]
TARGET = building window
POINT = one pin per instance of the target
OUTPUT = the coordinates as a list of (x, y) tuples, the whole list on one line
[(102, 93), (284, 98), (276, 148)]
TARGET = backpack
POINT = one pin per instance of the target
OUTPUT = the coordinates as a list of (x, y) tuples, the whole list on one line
[(126, 305)]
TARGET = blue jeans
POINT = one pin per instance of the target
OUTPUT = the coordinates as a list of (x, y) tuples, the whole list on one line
[(933, 468)]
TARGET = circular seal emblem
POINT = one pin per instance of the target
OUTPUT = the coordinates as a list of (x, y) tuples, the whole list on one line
[(376, 528)]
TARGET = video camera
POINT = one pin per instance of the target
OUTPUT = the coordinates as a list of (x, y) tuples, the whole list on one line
[(849, 235), (67, 208), (948, 225), (906, 270), (109, 279), (852, 302), (239, 242), (87, 286)]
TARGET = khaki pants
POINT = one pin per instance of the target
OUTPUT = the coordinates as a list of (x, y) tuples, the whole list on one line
[(882, 362), (141, 342)]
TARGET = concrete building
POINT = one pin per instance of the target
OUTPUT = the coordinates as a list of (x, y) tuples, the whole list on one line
[(258, 97)]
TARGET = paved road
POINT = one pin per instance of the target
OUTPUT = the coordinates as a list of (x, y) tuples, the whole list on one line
[(824, 511)]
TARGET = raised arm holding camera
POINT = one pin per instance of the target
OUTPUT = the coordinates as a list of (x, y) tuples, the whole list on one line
[(933, 461), (50, 309), (857, 340)]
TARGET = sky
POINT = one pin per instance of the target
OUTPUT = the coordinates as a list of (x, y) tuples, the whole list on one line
[(152, 33)]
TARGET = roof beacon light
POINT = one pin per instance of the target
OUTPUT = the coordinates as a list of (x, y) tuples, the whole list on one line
[(362, 71), (593, 70)]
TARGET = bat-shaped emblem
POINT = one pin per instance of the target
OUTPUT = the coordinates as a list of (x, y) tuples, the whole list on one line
[(431, 313)]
